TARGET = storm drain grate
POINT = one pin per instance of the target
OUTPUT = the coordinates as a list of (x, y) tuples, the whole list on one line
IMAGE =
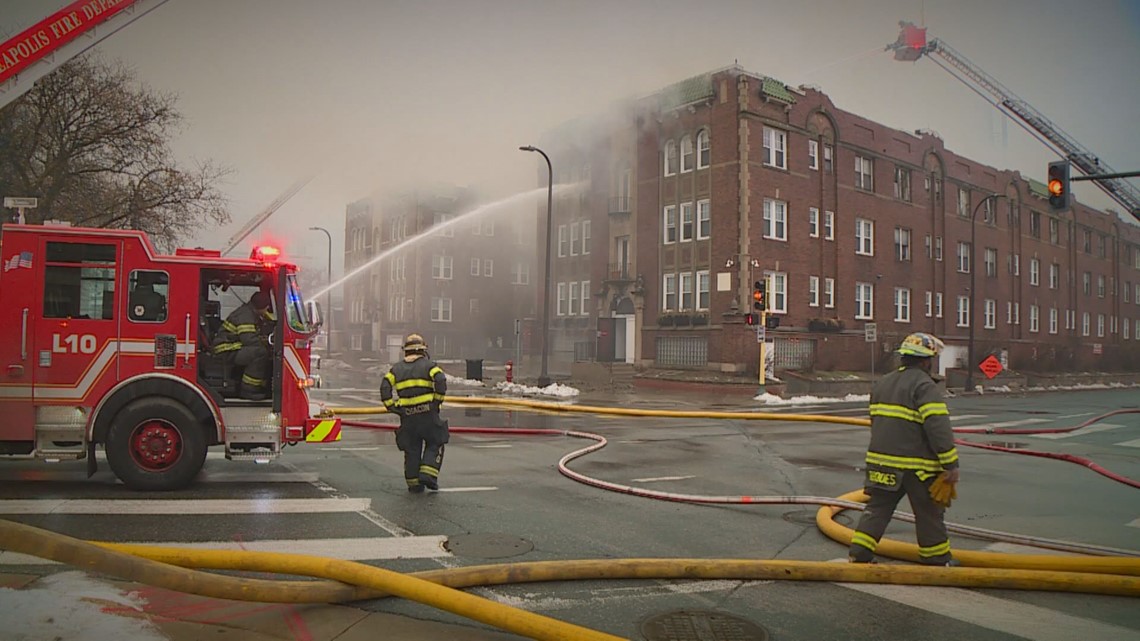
[(701, 625)]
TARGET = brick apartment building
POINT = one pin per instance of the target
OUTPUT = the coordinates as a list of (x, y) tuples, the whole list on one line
[(461, 287), (688, 196)]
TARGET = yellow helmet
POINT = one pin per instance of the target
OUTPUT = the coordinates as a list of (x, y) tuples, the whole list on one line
[(415, 343), (921, 345)]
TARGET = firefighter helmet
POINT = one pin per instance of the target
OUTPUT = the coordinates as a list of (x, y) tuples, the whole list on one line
[(260, 300), (921, 345), (415, 343)]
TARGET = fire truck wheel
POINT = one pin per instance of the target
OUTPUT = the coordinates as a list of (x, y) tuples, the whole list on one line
[(155, 444)]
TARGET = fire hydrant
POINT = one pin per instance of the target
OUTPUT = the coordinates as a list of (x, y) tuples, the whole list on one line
[(510, 371)]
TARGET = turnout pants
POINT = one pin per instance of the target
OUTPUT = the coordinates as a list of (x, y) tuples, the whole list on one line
[(929, 523), (255, 363), (422, 437)]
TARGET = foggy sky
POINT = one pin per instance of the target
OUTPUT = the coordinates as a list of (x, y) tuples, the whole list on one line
[(382, 96)]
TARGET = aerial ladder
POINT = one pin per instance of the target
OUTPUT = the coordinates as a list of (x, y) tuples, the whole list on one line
[(254, 222), (912, 45)]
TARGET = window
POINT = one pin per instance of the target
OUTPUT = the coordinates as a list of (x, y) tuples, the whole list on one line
[(703, 289), (437, 220), (473, 306), (441, 267), (441, 310), (902, 244), (775, 147), (813, 291), (79, 280), (669, 223), (829, 225), (988, 215), (777, 292), (902, 183), (1086, 238), (703, 151), (575, 238), (828, 152), (902, 305), (1034, 319), (585, 237), (488, 267), (669, 292), (775, 219), (1124, 327), (1035, 272), (575, 293), (149, 292), (963, 311), (1100, 325), (963, 257), (963, 202), (1052, 320), (813, 222), (476, 264), (1013, 262), (489, 228), (990, 260), (1086, 283), (864, 301), (1054, 231), (938, 305), (670, 158), (864, 237), (813, 154), (929, 304), (686, 154), (1054, 276), (520, 274), (357, 342), (864, 173), (686, 222), (561, 300), (686, 291), (829, 293), (585, 298), (989, 313), (1035, 224), (1100, 286), (1136, 294), (704, 220), (1127, 289), (1085, 324), (938, 248), (563, 241), (1013, 313)]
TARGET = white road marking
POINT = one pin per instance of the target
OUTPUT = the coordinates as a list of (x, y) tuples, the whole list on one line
[(495, 445), (994, 426), (1135, 523), (372, 402), (356, 549), (1132, 443), (962, 417), (663, 478), (348, 449), (1003, 615), (257, 477), (1017, 548), (183, 506), (1091, 429), (474, 488), (1061, 418), (367, 512), (540, 602)]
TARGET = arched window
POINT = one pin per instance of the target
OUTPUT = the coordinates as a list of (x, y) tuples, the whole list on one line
[(703, 151), (670, 158), (686, 153)]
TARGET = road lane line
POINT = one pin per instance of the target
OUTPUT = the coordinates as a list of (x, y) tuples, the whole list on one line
[(1061, 418), (1091, 429), (663, 478), (474, 488), (1003, 615), (352, 549), (256, 477), (493, 446), (992, 426), (1132, 443), (182, 506), (962, 417), (348, 449)]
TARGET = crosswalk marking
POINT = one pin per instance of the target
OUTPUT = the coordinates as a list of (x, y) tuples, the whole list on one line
[(1132, 443), (994, 426), (183, 506), (352, 549), (1091, 429), (963, 417), (1135, 523), (1022, 620)]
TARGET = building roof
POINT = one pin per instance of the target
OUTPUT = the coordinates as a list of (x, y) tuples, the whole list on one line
[(1038, 188), (686, 92), (776, 90)]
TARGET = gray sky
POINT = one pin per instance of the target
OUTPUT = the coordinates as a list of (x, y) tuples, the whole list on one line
[(387, 95)]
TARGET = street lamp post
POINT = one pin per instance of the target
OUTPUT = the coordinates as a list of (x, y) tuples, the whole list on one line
[(328, 294), (973, 287), (544, 377)]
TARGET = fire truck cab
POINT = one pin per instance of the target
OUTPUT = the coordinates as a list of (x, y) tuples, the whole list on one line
[(103, 341)]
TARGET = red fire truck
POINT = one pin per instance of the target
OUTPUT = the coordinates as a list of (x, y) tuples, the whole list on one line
[(106, 342)]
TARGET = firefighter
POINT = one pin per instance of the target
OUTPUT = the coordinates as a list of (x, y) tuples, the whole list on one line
[(420, 386), (912, 444), (242, 340), (145, 303)]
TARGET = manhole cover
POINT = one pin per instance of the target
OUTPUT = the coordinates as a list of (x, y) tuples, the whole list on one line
[(700, 625), (807, 517), (487, 546), (1011, 445)]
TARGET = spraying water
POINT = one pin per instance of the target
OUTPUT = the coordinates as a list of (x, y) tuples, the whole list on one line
[(482, 209)]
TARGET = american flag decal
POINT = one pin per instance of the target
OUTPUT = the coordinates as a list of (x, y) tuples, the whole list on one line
[(23, 260)]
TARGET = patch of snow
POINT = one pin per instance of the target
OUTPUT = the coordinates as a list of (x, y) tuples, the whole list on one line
[(772, 399), (463, 381), (557, 390), (69, 606)]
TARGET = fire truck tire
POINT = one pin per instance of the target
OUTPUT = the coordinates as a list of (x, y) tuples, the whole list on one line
[(156, 444)]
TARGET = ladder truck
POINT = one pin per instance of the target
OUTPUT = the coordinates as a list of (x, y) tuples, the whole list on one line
[(912, 45)]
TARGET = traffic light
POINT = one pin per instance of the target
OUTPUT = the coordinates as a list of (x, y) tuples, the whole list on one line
[(751, 319), (759, 296), (1058, 185)]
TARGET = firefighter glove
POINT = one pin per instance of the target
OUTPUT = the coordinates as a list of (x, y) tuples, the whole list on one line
[(942, 492)]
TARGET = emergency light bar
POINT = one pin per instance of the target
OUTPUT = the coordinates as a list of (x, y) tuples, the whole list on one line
[(266, 254)]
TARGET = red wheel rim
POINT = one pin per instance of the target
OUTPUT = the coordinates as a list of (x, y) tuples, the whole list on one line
[(156, 445)]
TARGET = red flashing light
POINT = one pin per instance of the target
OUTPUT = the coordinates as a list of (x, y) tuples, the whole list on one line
[(1056, 187), (266, 253)]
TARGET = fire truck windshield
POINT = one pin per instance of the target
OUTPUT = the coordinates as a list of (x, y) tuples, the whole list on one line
[(295, 307)]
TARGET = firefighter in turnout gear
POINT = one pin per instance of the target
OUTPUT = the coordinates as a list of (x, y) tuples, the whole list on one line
[(420, 387), (912, 444), (242, 341)]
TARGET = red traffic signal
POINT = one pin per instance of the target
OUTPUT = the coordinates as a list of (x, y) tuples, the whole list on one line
[(751, 319), (1058, 185)]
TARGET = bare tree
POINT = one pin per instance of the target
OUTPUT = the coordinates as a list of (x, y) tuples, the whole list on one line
[(92, 143)]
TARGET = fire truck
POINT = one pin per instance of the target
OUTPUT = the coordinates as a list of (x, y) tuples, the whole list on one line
[(106, 342)]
